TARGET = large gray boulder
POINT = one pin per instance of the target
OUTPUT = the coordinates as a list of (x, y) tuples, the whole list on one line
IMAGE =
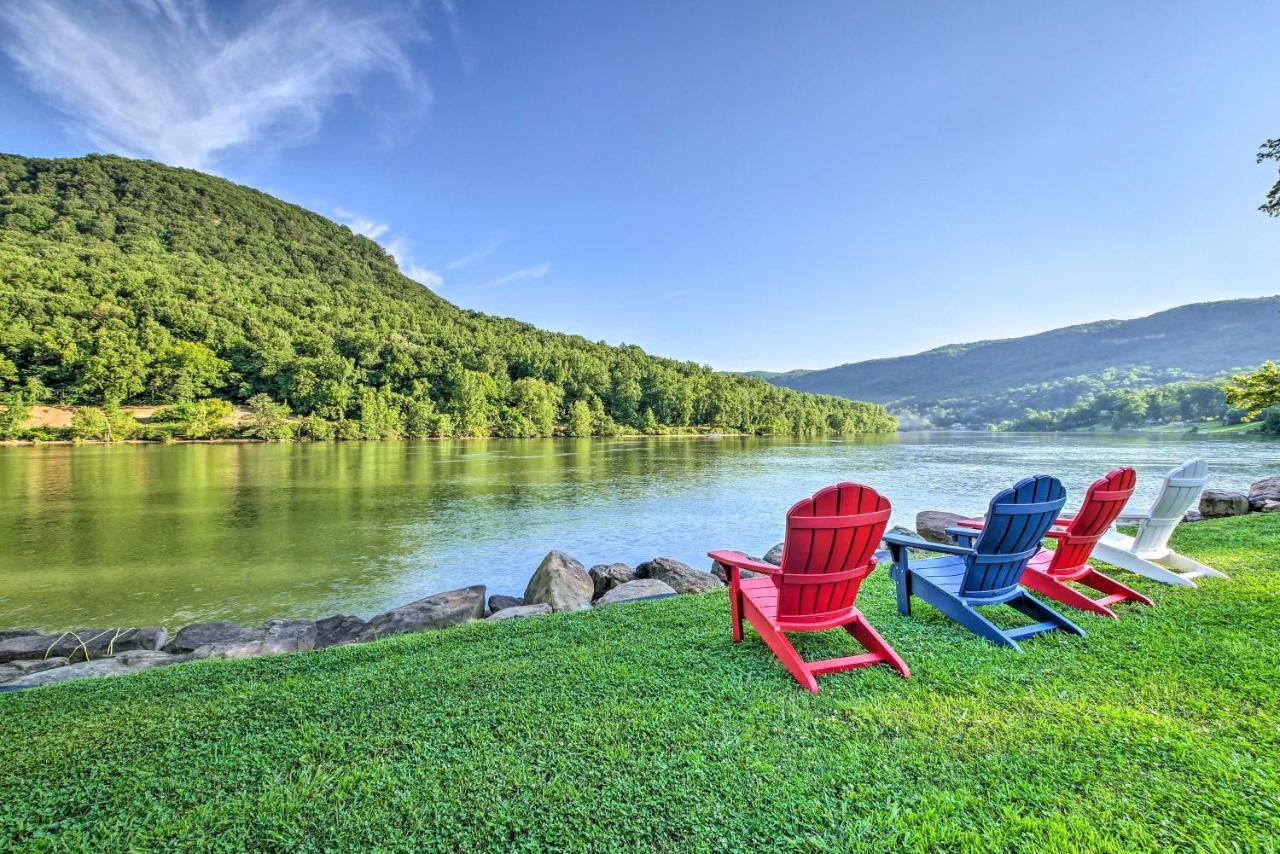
[(18, 669), (681, 577), (1266, 490), (774, 555), (606, 576), (641, 588), (5, 634), (438, 611), (132, 661), (902, 531), (719, 571), (932, 524), (192, 637), (519, 611), (274, 638), (1217, 503), (338, 630), (498, 602), (561, 582), (79, 644)]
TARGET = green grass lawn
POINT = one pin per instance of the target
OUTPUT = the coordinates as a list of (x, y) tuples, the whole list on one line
[(644, 726)]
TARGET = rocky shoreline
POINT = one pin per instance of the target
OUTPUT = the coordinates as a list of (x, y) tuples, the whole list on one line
[(560, 583)]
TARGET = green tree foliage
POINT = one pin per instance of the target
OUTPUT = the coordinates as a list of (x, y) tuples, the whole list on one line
[(1131, 407), (267, 419), (124, 281), (1256, 391), (15, 408), (1271, 151), (106, 424), (201, 419), (1270, 421), (580, 419), (185, 370)]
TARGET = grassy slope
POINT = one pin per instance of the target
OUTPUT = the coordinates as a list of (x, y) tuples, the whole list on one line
[(643, 726)]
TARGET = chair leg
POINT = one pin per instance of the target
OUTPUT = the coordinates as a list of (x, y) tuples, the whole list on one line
[(980, 625), (1042, 583), (965, 615), (903, 579), (1129, 561), (735, 610), (1109, 587), (1037, 610), (865, 634), (790, 659), (1186, 564), (782, 648)]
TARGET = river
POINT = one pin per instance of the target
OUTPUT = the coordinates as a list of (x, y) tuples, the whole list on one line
[(173, 534)]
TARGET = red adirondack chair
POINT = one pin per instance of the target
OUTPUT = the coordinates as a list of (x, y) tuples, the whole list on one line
[(831, 539), (1049, 572)]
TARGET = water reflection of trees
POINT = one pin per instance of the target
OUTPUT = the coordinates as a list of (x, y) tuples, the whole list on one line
[(120, 534)]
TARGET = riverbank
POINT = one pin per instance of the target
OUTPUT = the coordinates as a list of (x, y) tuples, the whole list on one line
[(644, 726), (148, 425)]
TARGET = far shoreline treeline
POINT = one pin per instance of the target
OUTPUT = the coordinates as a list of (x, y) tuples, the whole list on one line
[(129, 282)]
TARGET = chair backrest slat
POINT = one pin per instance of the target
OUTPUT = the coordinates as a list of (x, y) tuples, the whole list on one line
[(1103, 502), (1179, 492), (830, 546), (1016, 522)]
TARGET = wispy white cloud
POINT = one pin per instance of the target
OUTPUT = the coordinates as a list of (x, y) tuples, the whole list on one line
[(402, 251), (362, 224), (399, 247), (527, 274), (423, 276), (465, 56), (176, 81), (480, 254)]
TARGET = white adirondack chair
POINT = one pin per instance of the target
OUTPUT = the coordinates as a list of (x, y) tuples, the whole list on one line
[(1148, 553)]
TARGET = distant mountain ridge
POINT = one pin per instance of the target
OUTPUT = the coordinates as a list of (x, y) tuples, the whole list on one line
[(987, 380)]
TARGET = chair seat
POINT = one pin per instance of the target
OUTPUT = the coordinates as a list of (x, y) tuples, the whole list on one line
[(945, 573), (1040, 563), (762, 594)]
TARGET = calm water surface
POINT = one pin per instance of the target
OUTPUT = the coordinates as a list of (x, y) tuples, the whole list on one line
[(154, 534)]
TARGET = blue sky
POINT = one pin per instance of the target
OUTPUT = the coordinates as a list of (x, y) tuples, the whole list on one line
[(744, 184)]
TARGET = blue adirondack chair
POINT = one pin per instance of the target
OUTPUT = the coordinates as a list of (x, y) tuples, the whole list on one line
[(987, 572)]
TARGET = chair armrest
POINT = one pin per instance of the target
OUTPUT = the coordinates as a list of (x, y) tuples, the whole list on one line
[(969, 523), (897, 542), (1132, 517), (737, 560)]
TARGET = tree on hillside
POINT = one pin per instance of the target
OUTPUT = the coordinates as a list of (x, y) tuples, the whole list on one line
[(1271, 151), (267, 419), (131, 282), (1255, 391)]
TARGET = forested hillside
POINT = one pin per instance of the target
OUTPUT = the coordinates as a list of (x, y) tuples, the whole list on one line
[(127, 281), (1065, 377)]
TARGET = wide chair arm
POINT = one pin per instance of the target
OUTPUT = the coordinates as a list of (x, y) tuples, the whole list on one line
[(737, 560), (1132, 517), (899, 543), (966, 535)]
